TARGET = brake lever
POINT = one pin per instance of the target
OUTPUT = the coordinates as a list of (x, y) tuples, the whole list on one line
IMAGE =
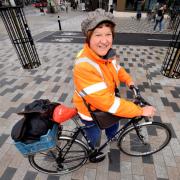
[(144, 102), (138, 98), (135, 90)]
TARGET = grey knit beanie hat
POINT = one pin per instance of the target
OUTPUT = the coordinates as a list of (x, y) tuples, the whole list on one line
[(94, 18)]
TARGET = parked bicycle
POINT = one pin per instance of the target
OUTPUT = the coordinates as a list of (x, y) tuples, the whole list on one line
[(136, 138)]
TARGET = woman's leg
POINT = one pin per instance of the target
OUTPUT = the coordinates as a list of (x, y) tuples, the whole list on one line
[(110, 132), (155, 25), (160, 26), (92, 132)]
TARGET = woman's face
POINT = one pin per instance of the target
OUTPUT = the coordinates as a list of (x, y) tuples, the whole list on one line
[(101, 40)]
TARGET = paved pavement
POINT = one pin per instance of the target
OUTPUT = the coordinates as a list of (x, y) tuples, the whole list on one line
[(53, 80)]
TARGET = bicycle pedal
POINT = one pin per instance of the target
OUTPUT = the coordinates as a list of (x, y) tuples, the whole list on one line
[(97, 157), (60, 167)]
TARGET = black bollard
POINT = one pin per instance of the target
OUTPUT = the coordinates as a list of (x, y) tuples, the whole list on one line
[(59, 22)]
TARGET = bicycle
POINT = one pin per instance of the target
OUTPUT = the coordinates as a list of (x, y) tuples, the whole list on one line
[(134, 138)]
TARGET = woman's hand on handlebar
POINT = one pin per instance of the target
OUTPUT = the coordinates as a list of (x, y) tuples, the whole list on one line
[(131, 84), (148, 111)]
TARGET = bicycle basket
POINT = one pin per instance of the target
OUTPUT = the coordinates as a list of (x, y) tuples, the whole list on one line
[(46, 142)]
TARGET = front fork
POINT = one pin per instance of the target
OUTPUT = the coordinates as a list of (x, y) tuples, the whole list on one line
[(139, 132)]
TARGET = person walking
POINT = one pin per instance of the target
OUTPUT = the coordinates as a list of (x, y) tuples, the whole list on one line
[(139, 9), (159, 19), (111, 8), (97, 76), (41, 9), (66, 6), (154, 11)]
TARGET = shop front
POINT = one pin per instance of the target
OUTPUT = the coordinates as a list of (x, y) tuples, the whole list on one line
[(120, 5), (131, 5)]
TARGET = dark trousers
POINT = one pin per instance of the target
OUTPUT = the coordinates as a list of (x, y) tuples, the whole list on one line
[(93, 132), (160, 24)]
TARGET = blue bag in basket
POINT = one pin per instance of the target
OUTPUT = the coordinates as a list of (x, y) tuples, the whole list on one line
[(46, 142)]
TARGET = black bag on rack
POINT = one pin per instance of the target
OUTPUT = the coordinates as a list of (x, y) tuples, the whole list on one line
[(19, 130), (36, 121), (104, 119)]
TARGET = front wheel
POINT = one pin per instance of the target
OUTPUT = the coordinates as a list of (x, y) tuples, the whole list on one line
[(144, 139), (60, 160)]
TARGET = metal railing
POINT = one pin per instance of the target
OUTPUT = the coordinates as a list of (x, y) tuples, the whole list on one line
[(20, 35), (171, 64)]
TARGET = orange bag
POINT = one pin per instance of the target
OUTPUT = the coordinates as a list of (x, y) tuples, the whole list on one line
[(62, 113)]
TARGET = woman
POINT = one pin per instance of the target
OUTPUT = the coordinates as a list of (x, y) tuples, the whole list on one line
[(97, 75), (159, 18)]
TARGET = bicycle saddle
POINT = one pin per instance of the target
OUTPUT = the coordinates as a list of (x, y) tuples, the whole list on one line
[(63, 113)]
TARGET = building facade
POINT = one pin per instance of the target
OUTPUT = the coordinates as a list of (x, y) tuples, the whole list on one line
[(130, 5), (120, 5)]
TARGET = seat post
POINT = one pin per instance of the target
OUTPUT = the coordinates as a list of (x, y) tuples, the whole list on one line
[(76, 119)]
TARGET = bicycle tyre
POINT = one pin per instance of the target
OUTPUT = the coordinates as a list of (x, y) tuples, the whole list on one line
[(157, 136), (75, 158)]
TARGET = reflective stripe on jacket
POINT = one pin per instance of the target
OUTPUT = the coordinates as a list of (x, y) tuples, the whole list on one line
[(95, 79)]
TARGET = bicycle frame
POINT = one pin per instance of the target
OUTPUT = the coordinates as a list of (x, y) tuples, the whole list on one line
[(63, 155), (132, 121)]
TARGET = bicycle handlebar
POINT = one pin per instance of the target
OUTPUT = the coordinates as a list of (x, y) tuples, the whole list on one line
[(139, 100)]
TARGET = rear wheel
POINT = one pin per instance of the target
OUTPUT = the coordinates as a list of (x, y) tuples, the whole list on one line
[(145, 139), (59, 160)]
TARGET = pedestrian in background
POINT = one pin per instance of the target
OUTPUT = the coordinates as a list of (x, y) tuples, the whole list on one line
[(111, 8), (66, 6), (139, 8), (41, 10), (154, 11), (159, 18)]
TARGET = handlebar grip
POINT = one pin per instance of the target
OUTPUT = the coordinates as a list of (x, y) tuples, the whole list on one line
[(138, 98), (135, 90), (144, 102), (131, 87)]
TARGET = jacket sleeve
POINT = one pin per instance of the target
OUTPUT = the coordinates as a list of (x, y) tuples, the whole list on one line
[(95, 91), (124, 76)]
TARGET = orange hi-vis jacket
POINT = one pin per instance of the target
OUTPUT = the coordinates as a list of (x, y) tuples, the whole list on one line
[(95, 80)]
